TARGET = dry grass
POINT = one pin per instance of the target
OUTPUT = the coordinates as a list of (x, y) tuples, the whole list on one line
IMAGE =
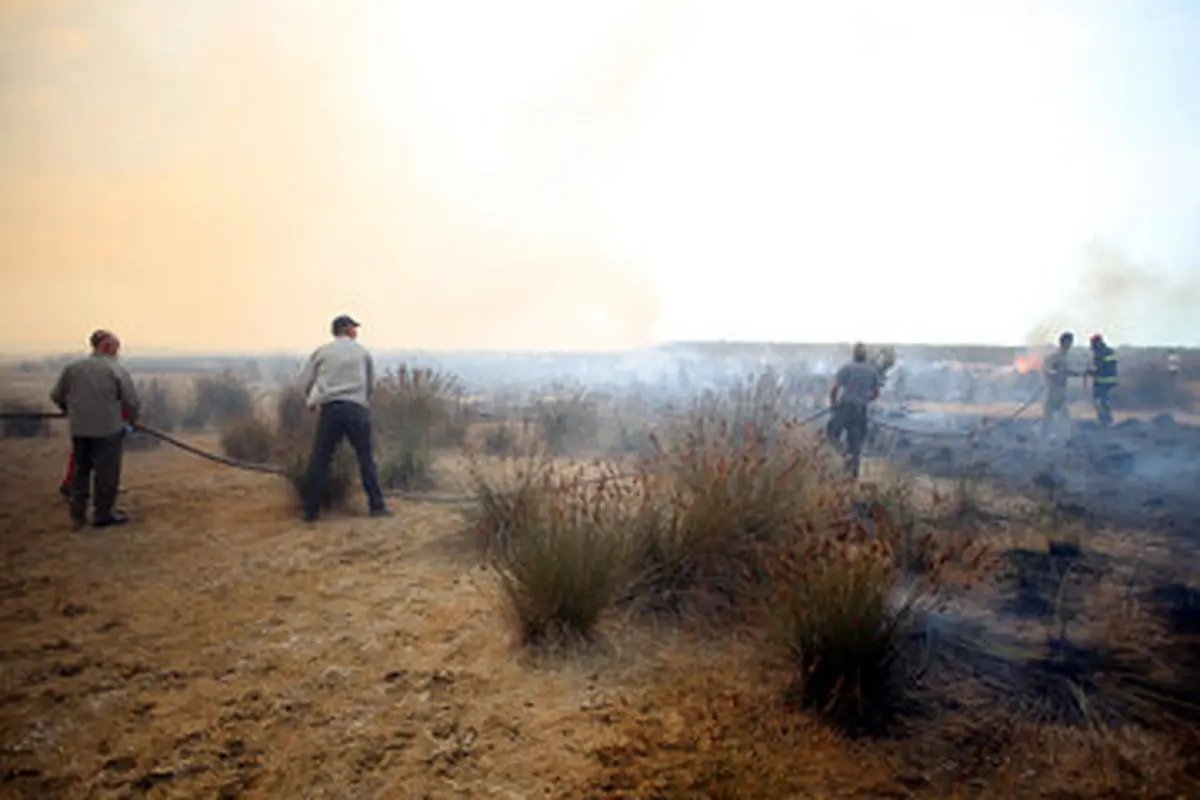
[(217, 648)]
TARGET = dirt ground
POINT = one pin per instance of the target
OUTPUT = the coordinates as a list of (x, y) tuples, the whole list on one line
[(217, 647)]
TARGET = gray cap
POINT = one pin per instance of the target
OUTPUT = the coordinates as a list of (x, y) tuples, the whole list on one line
[(342, 322)]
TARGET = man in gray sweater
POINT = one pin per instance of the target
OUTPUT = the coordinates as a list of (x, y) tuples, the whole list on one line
[(338, 379), (855, 387), (96, 393)]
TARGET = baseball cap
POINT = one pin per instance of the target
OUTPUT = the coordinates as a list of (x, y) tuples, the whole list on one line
[(340, 323)]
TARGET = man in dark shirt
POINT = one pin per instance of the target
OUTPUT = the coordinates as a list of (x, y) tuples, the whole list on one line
[(855, 386), (1104, 378), (97, 395)]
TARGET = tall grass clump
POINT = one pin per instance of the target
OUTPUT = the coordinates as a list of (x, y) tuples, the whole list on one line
[(420, 407), (839, 612), (554, 538), (218, 400), (507, 498), (23, 427), (713, 497)]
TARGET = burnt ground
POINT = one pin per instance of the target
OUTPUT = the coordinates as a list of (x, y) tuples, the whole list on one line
[(1136, 474)]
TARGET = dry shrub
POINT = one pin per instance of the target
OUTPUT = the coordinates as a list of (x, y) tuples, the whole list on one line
[(420, 407), (507, 499), (291, 412), (23, 427), (567, 418), (343, 471), (501, 440), (835, 603), (408, 470), (719, 522), (159, 411), (713, 497), (219, 400), (556, 546), (248, 439)]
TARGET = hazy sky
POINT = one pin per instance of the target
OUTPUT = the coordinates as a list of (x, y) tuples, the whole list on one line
[(230, 174)]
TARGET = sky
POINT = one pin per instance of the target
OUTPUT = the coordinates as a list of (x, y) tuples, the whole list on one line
[(228, 175)]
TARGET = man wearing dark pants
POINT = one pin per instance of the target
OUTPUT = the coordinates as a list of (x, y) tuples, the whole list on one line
[(338, 379), (98, 397), (856, 385)]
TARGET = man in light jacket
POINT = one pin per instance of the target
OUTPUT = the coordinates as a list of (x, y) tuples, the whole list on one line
[(98, 397), (338, 379)]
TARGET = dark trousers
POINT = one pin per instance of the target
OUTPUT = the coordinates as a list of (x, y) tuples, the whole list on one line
[(1102, 399), (101, 456), (850, 420), (352, 421)]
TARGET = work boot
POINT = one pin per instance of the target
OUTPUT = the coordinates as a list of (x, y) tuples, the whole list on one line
[(381, 512), (112, 520)]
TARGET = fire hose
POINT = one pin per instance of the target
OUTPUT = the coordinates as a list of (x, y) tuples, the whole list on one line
[(969, 433), (269, 469), (248, 466)]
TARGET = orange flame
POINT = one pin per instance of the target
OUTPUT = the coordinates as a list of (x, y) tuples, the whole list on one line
[(1030, 362)]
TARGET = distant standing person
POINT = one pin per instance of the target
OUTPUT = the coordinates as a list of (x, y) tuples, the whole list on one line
[(1104, 378), (1055, 374), (855, 387), (1173, 378), (338, 379), (99, 398)]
